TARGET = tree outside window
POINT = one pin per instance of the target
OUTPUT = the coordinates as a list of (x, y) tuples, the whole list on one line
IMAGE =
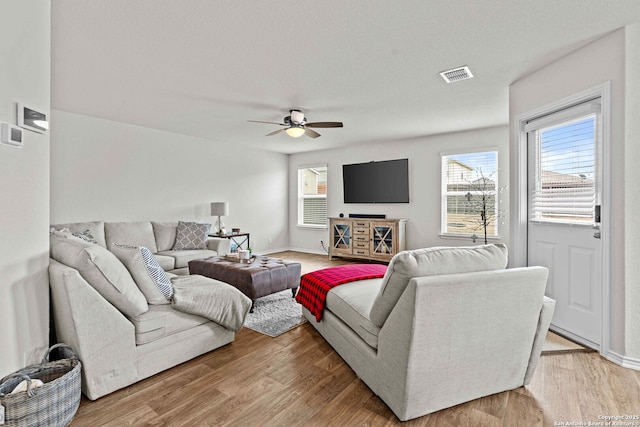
[(469, 194)]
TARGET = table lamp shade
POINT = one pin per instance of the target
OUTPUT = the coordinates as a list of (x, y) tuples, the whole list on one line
[(219, 208)]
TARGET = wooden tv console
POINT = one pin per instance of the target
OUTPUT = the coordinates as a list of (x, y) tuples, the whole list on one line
[(366, 238)]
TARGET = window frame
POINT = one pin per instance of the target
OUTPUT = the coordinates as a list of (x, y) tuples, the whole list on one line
[(444, 156), (301, 197)]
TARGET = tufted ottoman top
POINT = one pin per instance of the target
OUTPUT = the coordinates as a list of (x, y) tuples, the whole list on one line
[(264, 276)]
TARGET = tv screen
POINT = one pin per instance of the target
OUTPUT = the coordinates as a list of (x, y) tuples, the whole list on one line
[(376, 182)]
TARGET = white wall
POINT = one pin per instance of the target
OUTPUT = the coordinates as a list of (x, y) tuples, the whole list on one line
[(105, 170), (24, 186), (632, 199), (424, 209), (600, 61)]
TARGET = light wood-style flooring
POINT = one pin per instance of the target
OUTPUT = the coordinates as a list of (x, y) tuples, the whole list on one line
[(297, 379)]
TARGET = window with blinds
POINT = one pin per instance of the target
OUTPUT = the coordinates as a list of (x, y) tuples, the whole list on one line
[(563, 187), (312, 196), (469, 190)]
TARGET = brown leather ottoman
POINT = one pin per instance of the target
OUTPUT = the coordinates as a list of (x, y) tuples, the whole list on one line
[(264, 276)]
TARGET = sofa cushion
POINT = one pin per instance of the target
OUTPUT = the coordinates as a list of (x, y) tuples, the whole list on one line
[(191, 235), (149, 276), (130, 233), (165, 233), (161, 321), (95, 228), (431, 262), (167, 263), (183, 257), (352, 302), (102, 270)]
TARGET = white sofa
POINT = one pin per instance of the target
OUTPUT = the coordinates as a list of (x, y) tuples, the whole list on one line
[(121, 330), (444, 326), (159, 237)]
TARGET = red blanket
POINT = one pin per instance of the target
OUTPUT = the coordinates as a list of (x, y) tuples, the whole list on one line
[(315, 285)]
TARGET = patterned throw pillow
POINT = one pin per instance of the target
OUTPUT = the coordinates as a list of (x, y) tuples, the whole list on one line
[(191, 235), (157, 273), (86, 236), (146, 271)]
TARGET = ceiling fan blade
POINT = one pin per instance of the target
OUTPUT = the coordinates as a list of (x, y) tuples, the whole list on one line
[(311, 133), (271, 123), (275, 132), (324, 125)]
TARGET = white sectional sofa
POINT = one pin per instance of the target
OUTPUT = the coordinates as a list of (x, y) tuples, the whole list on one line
[(444, 326), (159, 237), (109, 309)]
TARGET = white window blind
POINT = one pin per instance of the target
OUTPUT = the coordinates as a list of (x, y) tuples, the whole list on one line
[(314, 210), (469, 188), (563, 187), (312, 196)]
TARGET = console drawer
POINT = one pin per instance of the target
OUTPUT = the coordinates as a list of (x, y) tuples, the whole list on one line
[(357, 231), (361, 245), (360, 251), (361, 238)]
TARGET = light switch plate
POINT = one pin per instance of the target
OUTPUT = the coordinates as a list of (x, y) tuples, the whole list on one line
[(11, 135)]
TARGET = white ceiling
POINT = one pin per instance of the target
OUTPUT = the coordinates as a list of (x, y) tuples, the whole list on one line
[(204, 67)]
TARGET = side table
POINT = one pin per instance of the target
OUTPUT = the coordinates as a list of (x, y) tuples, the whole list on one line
[(242, 240)]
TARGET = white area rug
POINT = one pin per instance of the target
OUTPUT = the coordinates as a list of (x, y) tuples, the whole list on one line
[(275, 314)]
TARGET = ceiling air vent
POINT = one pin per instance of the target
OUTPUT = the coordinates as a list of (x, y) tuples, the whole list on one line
[(457, 74)]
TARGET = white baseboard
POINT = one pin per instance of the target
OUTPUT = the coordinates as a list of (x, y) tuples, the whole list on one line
[(308, 251), (624, 361), (270, 251)]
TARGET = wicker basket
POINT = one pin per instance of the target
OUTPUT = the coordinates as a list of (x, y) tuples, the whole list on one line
[(54, 403)]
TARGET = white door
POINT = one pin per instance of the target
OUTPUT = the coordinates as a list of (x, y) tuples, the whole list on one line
[(565, 190)]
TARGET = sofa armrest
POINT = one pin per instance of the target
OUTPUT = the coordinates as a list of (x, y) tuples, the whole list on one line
[(220, 245), (103, 338)]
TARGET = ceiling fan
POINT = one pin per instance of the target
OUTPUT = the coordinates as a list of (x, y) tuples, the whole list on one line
[(296, 125)]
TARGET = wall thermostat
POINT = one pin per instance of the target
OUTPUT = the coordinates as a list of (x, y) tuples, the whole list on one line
[(11, 135)]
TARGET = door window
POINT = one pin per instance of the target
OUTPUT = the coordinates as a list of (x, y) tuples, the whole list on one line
[(562, 185)]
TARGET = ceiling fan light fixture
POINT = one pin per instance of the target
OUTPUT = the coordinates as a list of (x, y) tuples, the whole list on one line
[(295, 131), (297, 116)]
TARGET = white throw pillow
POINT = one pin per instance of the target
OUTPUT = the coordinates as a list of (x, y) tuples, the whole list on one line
[(432, 262), (146, 271), (102, 270), (191, 235)]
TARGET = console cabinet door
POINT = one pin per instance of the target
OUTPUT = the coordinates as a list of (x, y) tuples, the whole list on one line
[(341, 237), (384, 241)]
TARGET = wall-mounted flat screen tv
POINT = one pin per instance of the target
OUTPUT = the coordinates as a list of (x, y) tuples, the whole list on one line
[(376, 182)]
